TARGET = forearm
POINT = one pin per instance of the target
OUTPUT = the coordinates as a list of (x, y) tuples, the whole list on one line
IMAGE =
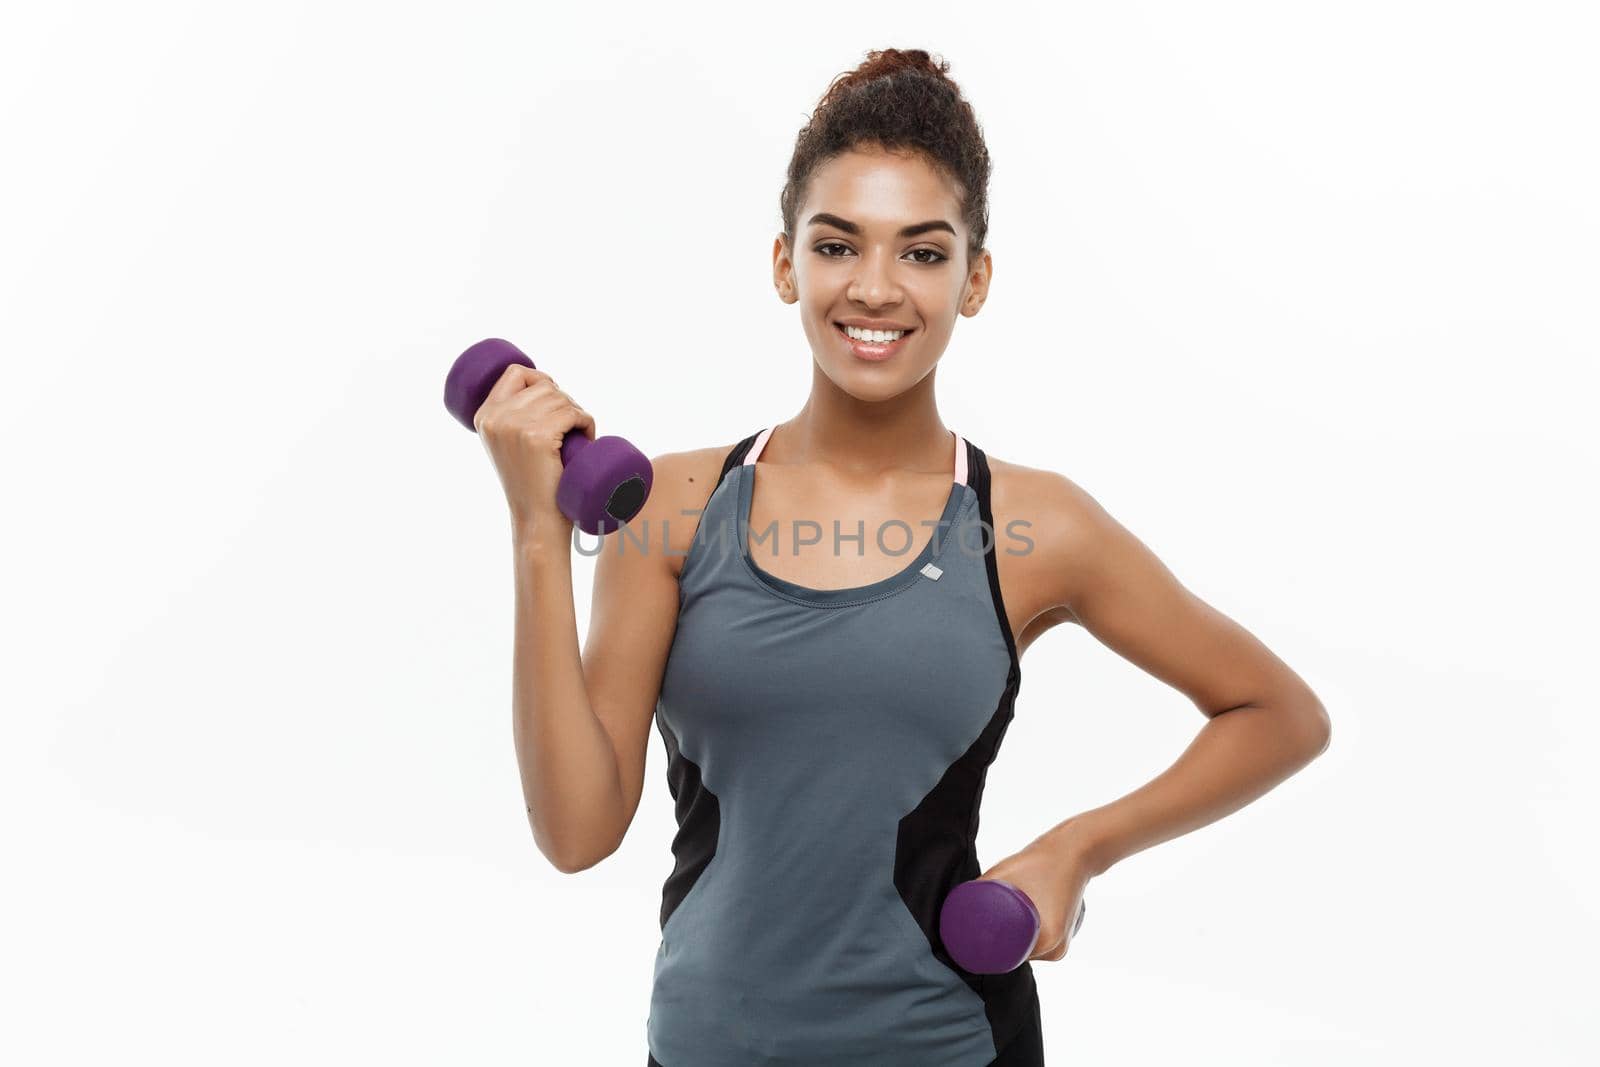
[(1236, 757), (568, 766)]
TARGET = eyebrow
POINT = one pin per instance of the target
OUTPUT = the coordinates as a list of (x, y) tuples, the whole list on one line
[(823, 218)]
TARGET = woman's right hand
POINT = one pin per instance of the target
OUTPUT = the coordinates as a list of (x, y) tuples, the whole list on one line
[(522, 423)]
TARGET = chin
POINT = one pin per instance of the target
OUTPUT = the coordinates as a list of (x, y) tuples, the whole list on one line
[(869, 384)]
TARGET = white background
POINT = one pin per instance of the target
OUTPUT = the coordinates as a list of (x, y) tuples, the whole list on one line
[(1303, 294)]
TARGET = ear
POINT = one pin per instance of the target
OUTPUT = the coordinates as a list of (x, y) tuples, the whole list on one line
[(977, 286), (783, 270)]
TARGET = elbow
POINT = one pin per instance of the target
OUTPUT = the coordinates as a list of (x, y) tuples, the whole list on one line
[(571, 865), (572, 845), (1316, 727), (573, 861)]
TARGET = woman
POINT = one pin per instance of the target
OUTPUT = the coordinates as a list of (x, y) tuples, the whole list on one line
[(829, 714)]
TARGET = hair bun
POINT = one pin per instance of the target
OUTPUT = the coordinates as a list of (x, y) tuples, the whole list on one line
[(884, 63)]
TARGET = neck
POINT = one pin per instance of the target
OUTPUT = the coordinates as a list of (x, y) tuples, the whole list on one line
[(862, 438)]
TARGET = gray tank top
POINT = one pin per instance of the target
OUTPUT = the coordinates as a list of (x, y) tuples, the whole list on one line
[(827, 751)]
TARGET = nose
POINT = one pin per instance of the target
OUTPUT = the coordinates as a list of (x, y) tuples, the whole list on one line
[(872, 284)]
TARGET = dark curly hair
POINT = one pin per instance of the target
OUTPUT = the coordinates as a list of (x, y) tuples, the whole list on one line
[(896, 99)]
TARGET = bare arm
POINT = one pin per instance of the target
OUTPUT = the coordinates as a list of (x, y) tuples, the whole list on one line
[(581, 724), (1264, 722)]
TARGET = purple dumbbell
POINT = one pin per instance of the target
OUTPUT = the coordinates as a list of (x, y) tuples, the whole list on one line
[(990, 927), (604, 482)]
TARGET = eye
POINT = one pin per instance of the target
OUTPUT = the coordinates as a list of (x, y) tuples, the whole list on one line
[(938, 257)]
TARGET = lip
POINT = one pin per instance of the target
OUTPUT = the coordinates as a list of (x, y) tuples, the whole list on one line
[(873, 353)]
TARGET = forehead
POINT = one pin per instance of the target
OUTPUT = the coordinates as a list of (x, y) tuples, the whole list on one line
[(880, 188)]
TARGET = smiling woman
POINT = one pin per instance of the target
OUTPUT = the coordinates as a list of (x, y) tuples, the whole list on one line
[(829, 719), (872, 698)]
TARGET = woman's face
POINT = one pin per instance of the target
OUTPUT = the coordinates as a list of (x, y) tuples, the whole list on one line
[(850, 261)]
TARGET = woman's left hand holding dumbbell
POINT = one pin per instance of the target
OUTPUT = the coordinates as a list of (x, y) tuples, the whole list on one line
[(1053, 872)]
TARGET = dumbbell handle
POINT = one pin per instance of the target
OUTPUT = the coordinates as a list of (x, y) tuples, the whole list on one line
[(989, 926)]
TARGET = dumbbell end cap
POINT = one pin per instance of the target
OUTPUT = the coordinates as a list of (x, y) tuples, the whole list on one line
[(988, 926), (627, 498), (606, 485), (474, 373)]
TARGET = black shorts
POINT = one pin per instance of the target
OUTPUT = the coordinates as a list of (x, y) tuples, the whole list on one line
[(1024, 1050)]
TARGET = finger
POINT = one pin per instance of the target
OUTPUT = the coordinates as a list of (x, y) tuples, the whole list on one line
[(578, 419), (515, 378), (586, 421), (536, 401), (549, 402), (551, 406), (517, 387), (540, 397)]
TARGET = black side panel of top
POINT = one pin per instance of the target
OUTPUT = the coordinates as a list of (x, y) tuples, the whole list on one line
[(698, 811), (699, 822), (935, 849)]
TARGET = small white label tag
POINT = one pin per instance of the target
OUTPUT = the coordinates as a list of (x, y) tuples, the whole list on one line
[(931, 571)]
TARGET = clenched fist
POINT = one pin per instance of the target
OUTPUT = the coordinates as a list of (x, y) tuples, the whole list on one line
[(522, 423)]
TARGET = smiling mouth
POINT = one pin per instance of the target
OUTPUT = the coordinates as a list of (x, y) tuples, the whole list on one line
[(879, 344)]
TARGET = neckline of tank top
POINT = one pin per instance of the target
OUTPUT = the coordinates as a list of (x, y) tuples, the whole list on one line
[(849, 596)]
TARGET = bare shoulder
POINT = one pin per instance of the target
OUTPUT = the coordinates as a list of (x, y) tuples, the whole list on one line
[(1040, 494), (1045, 526), (681, 484)]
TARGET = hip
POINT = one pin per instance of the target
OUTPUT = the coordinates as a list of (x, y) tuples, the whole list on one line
[(1025, 1049)]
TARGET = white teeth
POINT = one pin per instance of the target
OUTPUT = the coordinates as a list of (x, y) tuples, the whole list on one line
[(876, 336)]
